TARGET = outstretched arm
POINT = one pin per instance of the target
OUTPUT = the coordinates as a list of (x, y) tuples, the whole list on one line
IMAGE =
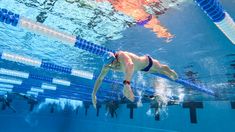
[(100, 78), (98, 82), (129, 70)]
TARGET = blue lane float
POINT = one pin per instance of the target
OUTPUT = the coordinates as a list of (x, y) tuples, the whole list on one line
[(213, 9), (36, 90), (219, 16), (9, 17), (64, 83), (91, 47), (192, 85), (51, 66), (85, 45), (45, 65)]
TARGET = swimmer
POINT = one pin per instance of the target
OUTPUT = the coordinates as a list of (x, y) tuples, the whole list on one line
[(158, 102), (111, 108), (136, 10), (128, 63), (159, 99), (6, 103)]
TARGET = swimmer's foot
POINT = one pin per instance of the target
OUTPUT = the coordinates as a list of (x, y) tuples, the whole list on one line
[(127, 92), (173, 75)]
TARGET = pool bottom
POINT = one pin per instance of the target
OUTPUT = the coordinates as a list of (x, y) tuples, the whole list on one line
[(190, 116)]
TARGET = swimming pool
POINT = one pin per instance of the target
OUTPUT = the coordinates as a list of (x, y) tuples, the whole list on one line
[(199, 53)]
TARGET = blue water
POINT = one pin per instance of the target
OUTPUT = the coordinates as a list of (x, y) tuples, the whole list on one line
[(199, 52)]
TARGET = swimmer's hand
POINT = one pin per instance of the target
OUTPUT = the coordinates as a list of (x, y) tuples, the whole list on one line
[(127, 92), (94, 102)]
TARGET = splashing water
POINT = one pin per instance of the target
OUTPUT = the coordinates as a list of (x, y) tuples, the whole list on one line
[(140, 78), (139, 102), (162, 88), (181, 95), (162, 97)]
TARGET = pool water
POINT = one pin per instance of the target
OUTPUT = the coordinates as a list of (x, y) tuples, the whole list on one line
[(199, 52)]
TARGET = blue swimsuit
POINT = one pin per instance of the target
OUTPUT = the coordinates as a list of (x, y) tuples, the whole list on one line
[(147, 68), (142, 23)]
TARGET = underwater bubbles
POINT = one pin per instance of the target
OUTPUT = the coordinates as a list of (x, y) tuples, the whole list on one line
[(160, 99), (60, 103)]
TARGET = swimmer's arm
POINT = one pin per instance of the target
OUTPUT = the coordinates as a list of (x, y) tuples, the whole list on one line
[(128, 64), (100, 78)]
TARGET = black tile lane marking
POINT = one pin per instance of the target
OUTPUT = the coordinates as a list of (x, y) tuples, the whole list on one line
[(192, 109)]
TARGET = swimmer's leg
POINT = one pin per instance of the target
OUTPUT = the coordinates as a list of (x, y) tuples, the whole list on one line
[(163, 69)]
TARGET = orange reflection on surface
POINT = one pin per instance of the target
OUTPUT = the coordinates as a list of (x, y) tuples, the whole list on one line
[(136, 10)]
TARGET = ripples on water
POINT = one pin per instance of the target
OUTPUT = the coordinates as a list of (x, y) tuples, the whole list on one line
[(97, 22)]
